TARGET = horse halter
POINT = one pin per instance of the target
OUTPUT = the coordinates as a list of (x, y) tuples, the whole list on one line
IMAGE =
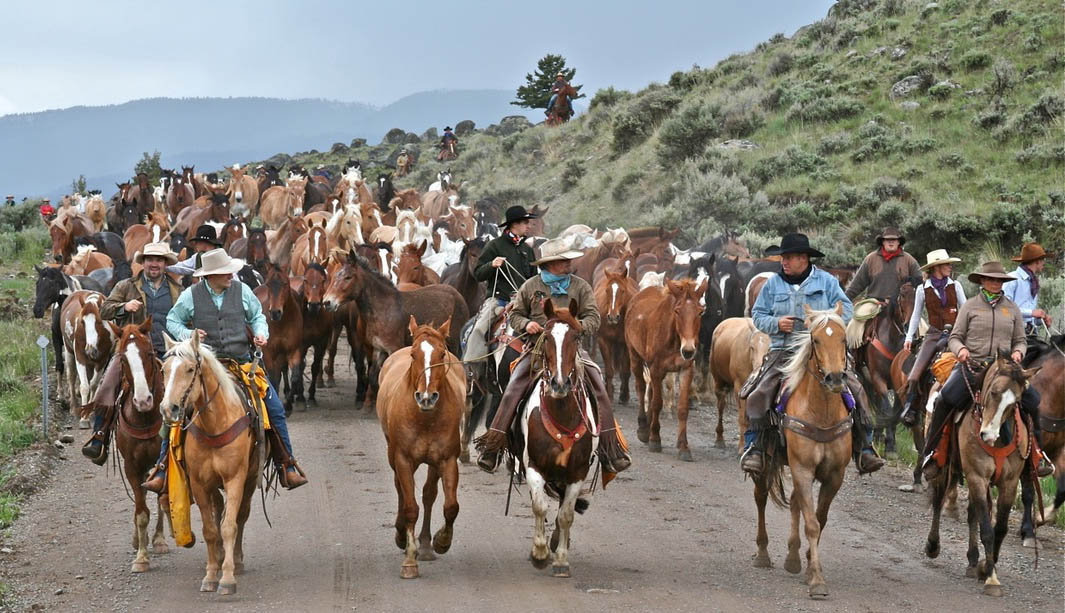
[(547, 375), (820, 375), (183, 405)]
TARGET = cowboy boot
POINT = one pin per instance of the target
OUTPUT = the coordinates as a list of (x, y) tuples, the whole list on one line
[(1044, 467), (908, 415), (290, 474), (96, 447), (752, 461), (612, 455), (866, 460), (492, 443), (156, 481)]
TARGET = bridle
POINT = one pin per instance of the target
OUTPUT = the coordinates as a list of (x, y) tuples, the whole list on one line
[(574, 374), (820, 375), (183, 404)]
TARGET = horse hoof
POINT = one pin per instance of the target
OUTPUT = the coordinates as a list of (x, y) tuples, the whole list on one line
[(561, 572), (993, 590), (442, 542), (719, 443), (891, 455), (83, 424), (762, 560), (685, 455), (981, 570), (654, 446), (908, 487), (464, 457), (1030, 542), (931, 549), (818, 591), (160, 548), (539, 563), (793, 565), (425, 554), (643, 434), (408, 571), (970, 572), (227, 589), (139, 567), (208, 586)]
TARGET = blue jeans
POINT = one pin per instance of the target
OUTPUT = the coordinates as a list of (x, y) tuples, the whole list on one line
[(274, 409), (551, 103)]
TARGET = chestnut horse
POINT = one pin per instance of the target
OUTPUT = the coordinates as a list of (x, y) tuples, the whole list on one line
[(356, 280), (191, 372), (736, 350), (411, 270), (423, 394), (987, 459), (180, 195), (1050, 383), (243, 193), (662, 334), (284, 316), (612, 295), (900, 370), (311, 248), (817, 442), (279, 246), (137, 435), (561, 111), (280, 202), (64, 230)]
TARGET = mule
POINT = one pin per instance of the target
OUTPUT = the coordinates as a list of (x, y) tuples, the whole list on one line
[(423, 391), (662, 334)]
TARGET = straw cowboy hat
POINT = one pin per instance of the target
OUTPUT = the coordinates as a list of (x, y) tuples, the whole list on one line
[(1031, 252), (866, 309), (161, 250), (893, 233), (218, 262), (794, 243), (990, 270), (555, 250), (937, 257)]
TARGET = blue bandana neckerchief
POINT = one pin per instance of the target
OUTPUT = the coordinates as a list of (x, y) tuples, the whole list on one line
[(559, 284)]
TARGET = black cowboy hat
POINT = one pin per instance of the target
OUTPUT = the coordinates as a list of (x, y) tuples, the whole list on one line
[(890, 232), (447, 128), (517, 213), (794, 243), (207, 234)]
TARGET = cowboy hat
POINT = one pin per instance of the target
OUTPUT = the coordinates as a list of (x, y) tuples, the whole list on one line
[(937, 257), (891, 232), (447, 128), (794, 243), (161, 250), (1031, 252), (866, 309), (555, 250), (207, 234), (218, 262), (516, 213), (560, 74), (990, 270)]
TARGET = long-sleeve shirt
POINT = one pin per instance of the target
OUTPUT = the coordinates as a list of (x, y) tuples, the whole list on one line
[(918, 305), (529, 304), (778, 298), (880, 278), (987, 329), (179, 318), (1020, 292)]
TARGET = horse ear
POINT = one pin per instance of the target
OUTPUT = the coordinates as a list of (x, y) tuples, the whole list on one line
[(549, 308), (412, 326), (839, 308), (445, 329), (573, 307), (146, 325), (195, 340), (1029, 373), (713, 256), (352, 257), (168, 342), (674, 287), (421, 248), (113, 330), (701, 289)]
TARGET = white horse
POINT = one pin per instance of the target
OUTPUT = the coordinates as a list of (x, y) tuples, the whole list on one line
[(443, 181)]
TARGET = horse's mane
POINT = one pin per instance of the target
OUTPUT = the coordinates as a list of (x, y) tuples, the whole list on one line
[(365, 265), (795, 369), (226, 388)]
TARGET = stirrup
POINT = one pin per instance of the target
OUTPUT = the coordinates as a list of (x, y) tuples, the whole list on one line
[(875, 462), (98, 458), (292, 471), (489, 461), (748, 459), (929, 467), (156, 481), (1045, 467)]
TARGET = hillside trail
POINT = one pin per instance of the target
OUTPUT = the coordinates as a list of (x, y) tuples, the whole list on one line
[(665, 535)]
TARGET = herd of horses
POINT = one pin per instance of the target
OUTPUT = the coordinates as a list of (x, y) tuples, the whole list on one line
[(391, 271)]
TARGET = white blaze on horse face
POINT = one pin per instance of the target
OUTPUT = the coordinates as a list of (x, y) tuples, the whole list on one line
[(377, 217), (700, 276), (317, 236), (155, 233), (558, 333), (383, 254), (427, 355), (136, 368), (613, 296), (91, 338), (990, 431)]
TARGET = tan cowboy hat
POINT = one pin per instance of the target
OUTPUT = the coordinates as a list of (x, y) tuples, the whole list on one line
[(866, 309), (990, 270), (218, 262), (1031, 252), (555, 250), (157, 249), (937, 257)]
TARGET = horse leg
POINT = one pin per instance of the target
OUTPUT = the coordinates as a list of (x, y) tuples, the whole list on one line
[(720, 396), (83, 384), (973, 553), (141, 519), (683, 451), (792, 564), (209, 512), (443, 536), (235, 487), (316, 368), (608, 365), (621, 355), (761, 494), (536, 483), (295, 379), (1027, 523), (988, 536), (741, 409), (159, 545), (407, 517), (425, 543), (242, 518), (939, 491), (1006, 495), (802, 493), (1059, 497), (636, 368), (917, 433), (334, 341), (563, 523), (654, 442)]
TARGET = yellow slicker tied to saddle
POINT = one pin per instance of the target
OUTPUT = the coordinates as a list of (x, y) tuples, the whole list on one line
[(177, 479)]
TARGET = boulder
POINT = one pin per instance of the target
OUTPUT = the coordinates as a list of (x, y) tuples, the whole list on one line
[(430, 135), (493, 130), (929, 8), (358, 142), (395, 136), (906, 86), (743, 145), (465, 127), (338, 148), (410, 137), (898, 53), (910, 105)]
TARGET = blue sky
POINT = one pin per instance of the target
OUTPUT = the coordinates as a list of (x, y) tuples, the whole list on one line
[(58, 54)]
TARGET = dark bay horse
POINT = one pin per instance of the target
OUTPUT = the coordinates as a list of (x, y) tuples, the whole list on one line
[(284, 316), (460, 275), (423, 392), (1050, 383), (317, 323)]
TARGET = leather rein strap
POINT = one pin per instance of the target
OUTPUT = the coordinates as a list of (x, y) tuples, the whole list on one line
[(817, 433)]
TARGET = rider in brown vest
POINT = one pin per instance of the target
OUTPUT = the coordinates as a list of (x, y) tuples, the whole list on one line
[(941, 297), (883, 271)]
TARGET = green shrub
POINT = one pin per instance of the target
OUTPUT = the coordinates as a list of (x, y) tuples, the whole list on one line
[(891, 24), (571, 174), (20, 216), (27, 247), (874, 141), (638, 120), (621, 189), (1032, 42), (834, 143), (975, 59), (833, 108), (1000, 16), (918, 145), (781, 63), (629, 131), (792, 161), (990, 118), (686, 133), (1041, 155), (940, 91), (608, 97), (950, 160)]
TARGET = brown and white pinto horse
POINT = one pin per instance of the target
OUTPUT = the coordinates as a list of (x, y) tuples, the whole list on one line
[(612, 295), (87, 343), (64, 229), (423, 394), (137, 435), (191, 372), (662, 334)]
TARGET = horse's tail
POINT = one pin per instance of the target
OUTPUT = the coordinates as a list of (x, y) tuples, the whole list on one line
[(776, 458)]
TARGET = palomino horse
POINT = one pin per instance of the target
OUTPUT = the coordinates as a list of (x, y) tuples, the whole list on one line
[(736, 350), (460, 275), (96, 211), (423, 392), (278, 203), (191, 372), (561, 111), (559, 434), (411, 270), (817, 442), (662, 334), (64, 230), (612, 295), (285, 345), (87, 343), (387, 329), (137, 434), (987, 457), (243, 192), (1050, 383)]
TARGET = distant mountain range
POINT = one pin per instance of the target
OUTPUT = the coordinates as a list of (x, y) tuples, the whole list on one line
[(42, 152)]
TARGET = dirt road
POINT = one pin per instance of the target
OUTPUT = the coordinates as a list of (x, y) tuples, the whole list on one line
[(665, 535)]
